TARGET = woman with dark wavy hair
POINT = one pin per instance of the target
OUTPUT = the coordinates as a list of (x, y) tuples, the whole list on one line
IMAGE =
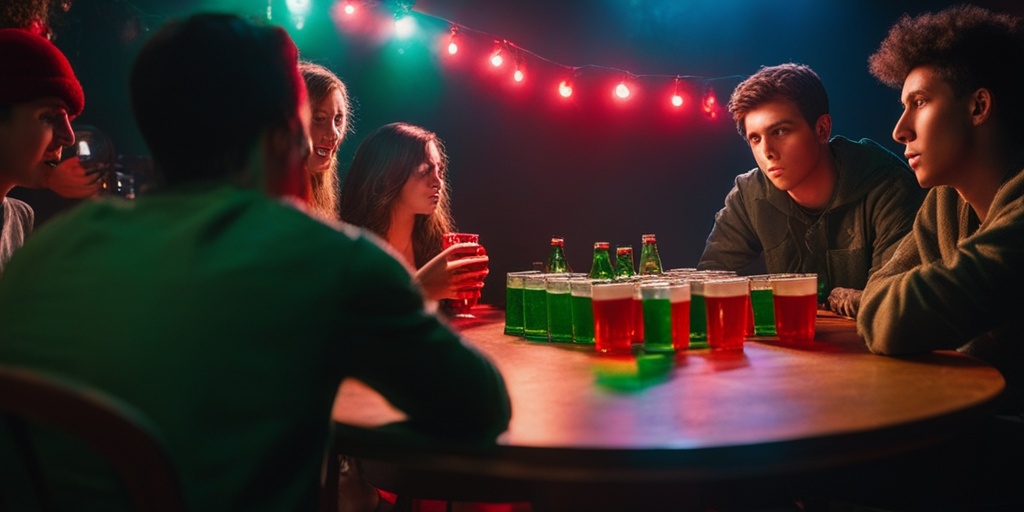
[(396, 188)]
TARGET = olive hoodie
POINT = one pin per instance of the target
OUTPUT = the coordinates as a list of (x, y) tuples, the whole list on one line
[(872, 208)]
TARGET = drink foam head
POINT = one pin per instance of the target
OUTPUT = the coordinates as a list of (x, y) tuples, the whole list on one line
[(613, 291), (795, 286), (679, 292), (726, 288)]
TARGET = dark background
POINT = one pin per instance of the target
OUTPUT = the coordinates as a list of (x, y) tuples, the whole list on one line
[(526, 164)]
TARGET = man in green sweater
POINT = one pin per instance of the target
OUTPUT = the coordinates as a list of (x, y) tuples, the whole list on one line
[(815, 204), (955, 281), (225, 314)]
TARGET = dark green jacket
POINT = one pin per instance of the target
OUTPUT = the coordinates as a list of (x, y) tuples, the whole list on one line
[(230, 320), (876, 199)]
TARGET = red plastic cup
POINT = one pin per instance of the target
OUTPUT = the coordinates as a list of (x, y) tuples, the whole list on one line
[(613, 317), (464, 302), (728, 306), (796, 305)]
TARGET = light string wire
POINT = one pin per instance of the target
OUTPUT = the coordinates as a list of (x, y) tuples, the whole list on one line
[(458, 31)]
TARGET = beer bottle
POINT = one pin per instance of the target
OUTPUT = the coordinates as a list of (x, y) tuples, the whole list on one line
[(623, 262), (650, 261), (601, 268), (556, 258)]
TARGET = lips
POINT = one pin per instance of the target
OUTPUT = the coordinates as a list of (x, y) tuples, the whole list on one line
[(913, 159), (323, 151)]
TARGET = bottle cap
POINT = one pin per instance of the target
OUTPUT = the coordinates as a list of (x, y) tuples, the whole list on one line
[(627, 249), (557, 241), (601, 245), (648, 239)]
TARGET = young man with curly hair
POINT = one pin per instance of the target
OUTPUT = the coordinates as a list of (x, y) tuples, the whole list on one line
[(955, 281)]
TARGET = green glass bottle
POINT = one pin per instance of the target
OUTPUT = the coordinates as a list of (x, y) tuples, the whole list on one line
[(556, 258), (650, 261), (624, 262), (601, 268)]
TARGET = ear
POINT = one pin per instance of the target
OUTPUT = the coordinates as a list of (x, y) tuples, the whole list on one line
[(981, 106), (285, 150), (823, 128)]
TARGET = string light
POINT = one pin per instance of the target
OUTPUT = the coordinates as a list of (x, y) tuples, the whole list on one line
[(298, 10), (622, 90), (496, 59), (677, 99), (453, 46), (710, 104), (565, 88)]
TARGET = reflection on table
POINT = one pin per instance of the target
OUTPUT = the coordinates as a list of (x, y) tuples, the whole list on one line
[(586, 425)]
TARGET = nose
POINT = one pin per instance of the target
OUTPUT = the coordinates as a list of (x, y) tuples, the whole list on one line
[(63, 135), (902, 132), (768, 151), (435, 179)]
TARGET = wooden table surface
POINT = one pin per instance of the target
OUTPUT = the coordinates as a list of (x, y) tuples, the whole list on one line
[(579, 417)]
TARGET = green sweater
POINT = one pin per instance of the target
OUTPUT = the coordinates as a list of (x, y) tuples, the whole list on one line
[(230, 319), (873, 207), (955, 283)]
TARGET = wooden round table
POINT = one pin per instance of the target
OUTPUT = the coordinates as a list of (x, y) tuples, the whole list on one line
[(586, 425)]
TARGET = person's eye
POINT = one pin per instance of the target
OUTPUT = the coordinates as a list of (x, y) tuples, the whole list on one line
[(919, 102), (780, 131), (338, 120), (54, 117), (754, 139)]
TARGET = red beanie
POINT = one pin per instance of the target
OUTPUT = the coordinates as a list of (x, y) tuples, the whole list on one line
[(31, 67)]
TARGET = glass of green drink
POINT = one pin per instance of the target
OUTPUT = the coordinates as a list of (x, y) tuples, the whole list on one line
[(581, 291), (763, 305), (559, 308), (657, 316), (535, 307), (514, 282)]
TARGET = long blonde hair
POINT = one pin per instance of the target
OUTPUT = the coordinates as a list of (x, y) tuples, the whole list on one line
[(382, 164), (320, 83)]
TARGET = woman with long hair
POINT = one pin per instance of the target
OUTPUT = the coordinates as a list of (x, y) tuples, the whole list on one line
[(396, 188), (329, 123)]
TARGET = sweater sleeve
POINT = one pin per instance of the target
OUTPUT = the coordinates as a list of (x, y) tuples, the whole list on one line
[(941, 289), (414, 360), (733, 242)]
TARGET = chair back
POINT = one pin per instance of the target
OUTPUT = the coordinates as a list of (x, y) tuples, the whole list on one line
[(118, 432)]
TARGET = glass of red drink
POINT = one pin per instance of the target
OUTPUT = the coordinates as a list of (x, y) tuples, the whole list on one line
[(613, 317), (727, 304), (679, 297), (461, 305), (796, 304)]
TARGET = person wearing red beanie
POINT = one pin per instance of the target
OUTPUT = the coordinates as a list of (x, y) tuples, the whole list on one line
[(39, 95)]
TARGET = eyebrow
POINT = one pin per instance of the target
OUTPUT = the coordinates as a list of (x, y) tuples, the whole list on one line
[(912, 93), (774, 125)]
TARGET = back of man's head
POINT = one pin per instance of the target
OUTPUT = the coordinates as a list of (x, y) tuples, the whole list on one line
[(206, 88)]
